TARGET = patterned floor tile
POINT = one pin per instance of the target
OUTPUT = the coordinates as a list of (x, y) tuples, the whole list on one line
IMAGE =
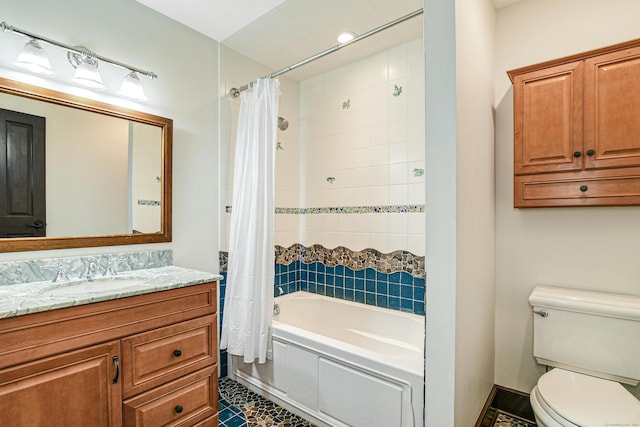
[(241, 404), (504, 419)]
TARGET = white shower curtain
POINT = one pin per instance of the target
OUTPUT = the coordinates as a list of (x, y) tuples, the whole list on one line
[(248, 303)]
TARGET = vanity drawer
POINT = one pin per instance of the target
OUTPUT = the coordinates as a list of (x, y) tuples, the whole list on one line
[(190, 400), (155, 357)]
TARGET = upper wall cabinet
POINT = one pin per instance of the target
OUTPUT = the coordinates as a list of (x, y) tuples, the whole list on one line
[(577, 130)]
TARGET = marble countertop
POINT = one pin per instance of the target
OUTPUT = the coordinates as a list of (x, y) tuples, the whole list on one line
[(33, 297)]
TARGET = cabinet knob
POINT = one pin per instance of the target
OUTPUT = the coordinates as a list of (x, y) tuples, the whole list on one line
[(577, 154), (591, 152), (177, 353), (583, 188), (179, 409)]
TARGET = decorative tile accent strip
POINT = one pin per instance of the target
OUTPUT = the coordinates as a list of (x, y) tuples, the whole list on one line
[(15, 272), (224, 261), (149, 202), (357, 260), (347, 210)]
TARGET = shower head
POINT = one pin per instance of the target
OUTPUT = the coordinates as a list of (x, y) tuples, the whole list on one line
[(283, 123)]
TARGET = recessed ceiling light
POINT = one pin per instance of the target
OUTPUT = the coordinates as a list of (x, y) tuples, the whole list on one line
[(345, 37)]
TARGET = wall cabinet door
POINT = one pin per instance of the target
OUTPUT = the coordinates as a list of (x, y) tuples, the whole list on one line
[(71, 389), (612, 109), (548, 115)]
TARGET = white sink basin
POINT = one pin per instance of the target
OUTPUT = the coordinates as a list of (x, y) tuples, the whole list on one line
[(93, 286)]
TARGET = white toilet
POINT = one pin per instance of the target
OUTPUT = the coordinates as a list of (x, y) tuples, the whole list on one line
[(592, 341)]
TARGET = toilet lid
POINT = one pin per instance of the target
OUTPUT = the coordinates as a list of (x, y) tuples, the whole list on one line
[(588, 401)]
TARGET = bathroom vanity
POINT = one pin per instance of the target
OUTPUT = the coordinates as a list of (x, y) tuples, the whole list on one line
[(143, 355)]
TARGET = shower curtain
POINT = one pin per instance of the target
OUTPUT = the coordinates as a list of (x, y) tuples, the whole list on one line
[(248, 303)]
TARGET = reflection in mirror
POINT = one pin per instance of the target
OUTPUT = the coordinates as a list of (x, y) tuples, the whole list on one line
[(107, 172)]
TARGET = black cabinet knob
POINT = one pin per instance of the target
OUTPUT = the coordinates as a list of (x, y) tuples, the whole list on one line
[(177, 353), (591, 152), (179, 409), (583, 188), (577, 154)]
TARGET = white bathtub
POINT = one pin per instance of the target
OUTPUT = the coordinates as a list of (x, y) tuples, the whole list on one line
[(340, 363)]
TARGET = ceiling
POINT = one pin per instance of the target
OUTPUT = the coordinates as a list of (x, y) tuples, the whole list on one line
[(278, 33)]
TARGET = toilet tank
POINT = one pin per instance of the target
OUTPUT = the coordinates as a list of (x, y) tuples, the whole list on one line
[(595, 333)]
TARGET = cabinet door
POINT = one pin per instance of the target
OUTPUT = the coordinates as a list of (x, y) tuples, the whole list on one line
[(612, 109), (71, 389), (548, 119)]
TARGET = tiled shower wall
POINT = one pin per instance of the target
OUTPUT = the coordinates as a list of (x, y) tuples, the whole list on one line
[(349, 178), (350, 167), (363, 125)]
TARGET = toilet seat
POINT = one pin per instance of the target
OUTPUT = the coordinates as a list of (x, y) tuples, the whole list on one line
[(574, 400)]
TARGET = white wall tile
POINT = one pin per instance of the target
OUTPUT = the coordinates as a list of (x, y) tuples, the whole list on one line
[(371, 148)]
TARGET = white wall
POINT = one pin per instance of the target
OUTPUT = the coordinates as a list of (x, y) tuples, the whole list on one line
[(460, 210), (440, 261), (475, 222), (186, 91), (589, 248)]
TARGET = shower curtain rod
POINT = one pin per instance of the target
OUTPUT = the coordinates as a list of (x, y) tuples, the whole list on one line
[(235, 92)]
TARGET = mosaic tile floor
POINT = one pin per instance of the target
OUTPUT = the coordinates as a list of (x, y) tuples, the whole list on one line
[(504, 419), (240, 407)]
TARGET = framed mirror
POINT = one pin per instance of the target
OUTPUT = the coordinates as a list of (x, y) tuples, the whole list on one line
[(76, 172)]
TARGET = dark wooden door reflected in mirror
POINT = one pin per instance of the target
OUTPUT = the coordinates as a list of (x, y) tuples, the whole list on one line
[(22, 175)]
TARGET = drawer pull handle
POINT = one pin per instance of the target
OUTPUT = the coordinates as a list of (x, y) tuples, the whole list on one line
[(177, 353), (591, 152), (583, 188), (577, 154), (179, 409), (117, 365)]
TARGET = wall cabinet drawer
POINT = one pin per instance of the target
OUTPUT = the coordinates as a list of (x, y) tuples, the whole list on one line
[(190, 400), (557, 190), (155, 357)]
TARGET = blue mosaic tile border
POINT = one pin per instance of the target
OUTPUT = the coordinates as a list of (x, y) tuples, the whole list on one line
[(347, 210)]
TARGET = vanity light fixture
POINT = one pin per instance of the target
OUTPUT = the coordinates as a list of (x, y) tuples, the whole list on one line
[(132, 87), (346, 37), (86, 66), (34, 59)]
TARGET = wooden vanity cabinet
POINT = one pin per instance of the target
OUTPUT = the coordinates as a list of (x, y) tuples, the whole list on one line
[(147, 360), (577, 130)]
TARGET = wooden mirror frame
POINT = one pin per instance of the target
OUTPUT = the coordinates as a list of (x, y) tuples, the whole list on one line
[(45, 243)]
